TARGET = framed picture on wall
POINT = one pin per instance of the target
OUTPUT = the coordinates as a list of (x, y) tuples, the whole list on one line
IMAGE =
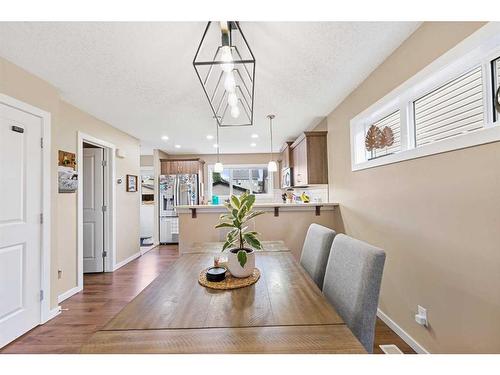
[(131, 183)]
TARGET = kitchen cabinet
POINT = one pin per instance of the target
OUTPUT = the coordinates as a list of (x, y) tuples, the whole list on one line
[(309, 159), (181, 166), (286, 158)]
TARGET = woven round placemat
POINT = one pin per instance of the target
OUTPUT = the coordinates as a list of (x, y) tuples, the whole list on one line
[(230, 282)]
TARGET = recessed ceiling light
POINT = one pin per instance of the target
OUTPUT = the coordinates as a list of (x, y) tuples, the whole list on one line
[(210, 136), (255, 135), (165, 138), (177, 146), (216, 145), (253, 144)]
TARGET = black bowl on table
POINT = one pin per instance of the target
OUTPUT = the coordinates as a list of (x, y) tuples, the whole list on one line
[(216, 274)]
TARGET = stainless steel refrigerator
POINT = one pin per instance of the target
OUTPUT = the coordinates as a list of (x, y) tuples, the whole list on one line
[(175, 190)]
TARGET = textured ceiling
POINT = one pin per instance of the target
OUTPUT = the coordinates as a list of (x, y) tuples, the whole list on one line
[(139, 77)]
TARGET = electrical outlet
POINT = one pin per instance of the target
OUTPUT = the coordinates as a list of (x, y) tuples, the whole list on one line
[(421, 316), (59, 274)]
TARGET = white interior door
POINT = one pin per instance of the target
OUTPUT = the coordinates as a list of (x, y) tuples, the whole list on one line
[(93, 215), (20, 222)]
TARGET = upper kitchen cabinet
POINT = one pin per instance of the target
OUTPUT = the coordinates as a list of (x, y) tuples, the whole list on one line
[(309, 159), (286, 157), (181, 166)]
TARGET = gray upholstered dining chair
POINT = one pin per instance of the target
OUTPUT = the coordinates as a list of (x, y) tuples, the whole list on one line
[(352, 285), (315, 252)]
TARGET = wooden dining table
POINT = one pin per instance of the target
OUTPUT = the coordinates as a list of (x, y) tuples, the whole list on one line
[(283, 312)]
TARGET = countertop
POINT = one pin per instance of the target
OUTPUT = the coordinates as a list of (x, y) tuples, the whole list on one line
[(262, 206)]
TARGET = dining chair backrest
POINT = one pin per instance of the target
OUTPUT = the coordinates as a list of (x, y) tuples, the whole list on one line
[(352, 285), (315, 252)]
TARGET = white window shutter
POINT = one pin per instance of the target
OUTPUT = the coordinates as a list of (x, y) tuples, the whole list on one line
[(453, 109)]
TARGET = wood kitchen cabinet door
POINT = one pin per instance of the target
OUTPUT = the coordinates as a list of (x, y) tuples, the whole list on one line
[(286, 157), (191, 166), (299, 156), (309, 159)]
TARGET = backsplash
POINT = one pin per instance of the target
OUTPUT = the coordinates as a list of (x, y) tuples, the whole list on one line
[(315, 192)]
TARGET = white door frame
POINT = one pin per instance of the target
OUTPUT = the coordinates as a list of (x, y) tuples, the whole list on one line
[(109, 201), (45, 312)]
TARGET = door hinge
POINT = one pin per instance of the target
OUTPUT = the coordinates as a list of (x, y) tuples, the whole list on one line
[(41, 295), (41, 218), (104, 254), (104, 163), (104, 208), (41, 142)]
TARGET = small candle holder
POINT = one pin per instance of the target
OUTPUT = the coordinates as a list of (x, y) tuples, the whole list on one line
[(220, 260), (216, 274)]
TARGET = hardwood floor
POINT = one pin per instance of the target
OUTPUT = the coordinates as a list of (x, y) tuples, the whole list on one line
[(105, 294)]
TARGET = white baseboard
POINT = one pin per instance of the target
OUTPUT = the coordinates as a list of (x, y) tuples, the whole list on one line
[(53, 313), (401, 333), (145, 249), (125, 261), (68, 293)]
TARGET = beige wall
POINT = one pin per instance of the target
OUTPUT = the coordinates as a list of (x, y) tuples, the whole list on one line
[(66, 121), (147, 161), (437, 217)]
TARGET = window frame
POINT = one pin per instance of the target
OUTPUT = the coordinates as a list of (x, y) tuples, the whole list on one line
[(265, 196), (480, 49)]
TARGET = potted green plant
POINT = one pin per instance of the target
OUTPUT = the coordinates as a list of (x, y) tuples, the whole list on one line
[(241, 259)]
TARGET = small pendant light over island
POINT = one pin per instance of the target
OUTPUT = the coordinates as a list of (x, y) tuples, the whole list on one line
[(272, 166)]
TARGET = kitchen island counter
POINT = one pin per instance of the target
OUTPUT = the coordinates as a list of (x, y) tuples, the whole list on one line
[(286, 222)]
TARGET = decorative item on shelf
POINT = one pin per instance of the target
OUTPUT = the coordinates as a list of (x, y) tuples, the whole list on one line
[(227, 73), (378, 139), (131, 183), (241, 260), (387, 137), (304, 197), (66, 171), (272, 166), (373, 138)]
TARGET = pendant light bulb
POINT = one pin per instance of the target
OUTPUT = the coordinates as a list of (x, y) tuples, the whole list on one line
[(229, 82), (232, 99), (218, 167), (227, 57), (235, 112), (272, 166)]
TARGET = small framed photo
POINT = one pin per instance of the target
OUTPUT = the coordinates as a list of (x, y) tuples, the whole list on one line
[(131, 183)]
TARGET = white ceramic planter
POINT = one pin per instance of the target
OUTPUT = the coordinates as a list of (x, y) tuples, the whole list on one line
[(235, 268)]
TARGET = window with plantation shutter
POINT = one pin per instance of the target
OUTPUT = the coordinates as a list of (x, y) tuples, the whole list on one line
[(453, 109), (451, 104)]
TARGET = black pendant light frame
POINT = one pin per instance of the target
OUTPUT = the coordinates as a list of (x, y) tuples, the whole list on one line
[(219, 110)]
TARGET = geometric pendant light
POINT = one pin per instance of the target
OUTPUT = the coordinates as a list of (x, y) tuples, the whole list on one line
[(225, 66)]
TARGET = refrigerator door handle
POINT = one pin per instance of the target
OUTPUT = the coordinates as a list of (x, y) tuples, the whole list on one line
[(177, 190)]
